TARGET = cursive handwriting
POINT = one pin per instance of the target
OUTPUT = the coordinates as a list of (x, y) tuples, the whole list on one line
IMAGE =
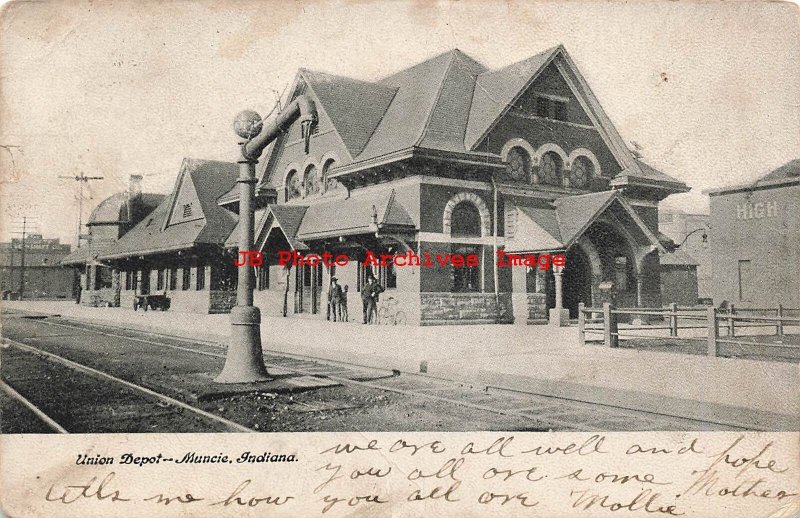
[(73, 493)]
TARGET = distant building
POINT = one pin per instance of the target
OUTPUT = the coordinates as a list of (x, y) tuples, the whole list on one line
[(43, 276), (109, 221), (756, 240), (690, 231)]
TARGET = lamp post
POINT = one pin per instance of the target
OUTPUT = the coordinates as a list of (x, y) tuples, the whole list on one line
[(244, 360)]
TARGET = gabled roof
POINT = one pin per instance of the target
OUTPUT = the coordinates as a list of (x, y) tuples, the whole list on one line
[(789, 170), (447, 105), (560, 227), (354, 107), (496, 90), (353, 215), (286, 217), (152, 235)]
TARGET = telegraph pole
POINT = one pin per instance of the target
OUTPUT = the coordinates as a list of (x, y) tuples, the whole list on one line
[(82, 179), (22, 257)]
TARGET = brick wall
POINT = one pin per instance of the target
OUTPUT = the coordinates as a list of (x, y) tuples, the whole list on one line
[(464, 308)]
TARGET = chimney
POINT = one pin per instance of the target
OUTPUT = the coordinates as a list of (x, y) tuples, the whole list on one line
[(135, 186), (134, 194)]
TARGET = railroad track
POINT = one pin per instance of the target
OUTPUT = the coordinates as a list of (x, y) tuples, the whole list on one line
[(536, 408)]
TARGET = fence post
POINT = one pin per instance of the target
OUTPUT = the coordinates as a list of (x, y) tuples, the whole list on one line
[(713, 331), (581, 323), (731, 321), (673, 319), (779, 325), (610, 330)]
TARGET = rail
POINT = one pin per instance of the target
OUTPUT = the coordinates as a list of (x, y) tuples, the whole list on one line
[(712, 319)]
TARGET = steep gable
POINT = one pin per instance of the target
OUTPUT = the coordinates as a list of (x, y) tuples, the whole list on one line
[(186, 205)]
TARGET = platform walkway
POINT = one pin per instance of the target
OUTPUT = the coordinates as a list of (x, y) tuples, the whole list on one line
[(541, 359)]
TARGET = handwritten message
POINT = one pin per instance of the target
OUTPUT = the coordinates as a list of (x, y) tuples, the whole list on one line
[(416, 474)]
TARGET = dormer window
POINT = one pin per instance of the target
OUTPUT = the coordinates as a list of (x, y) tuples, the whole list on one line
[(542, 107), (551, 108)]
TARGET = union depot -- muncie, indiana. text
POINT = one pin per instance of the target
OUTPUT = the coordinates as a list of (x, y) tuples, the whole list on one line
[(445, 157)]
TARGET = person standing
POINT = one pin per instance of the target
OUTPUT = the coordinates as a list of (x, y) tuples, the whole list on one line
[(369, 299), (342, 309), (334, 298)]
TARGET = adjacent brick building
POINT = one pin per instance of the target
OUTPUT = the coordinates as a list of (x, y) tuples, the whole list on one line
[(43, 275), (755, 240)]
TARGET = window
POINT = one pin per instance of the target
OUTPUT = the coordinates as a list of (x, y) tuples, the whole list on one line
[(160, 279), (581, 173), (131, 280), (293, 186), (187, 278), (173, 279), (387, 276), (467, 278), (329, 184), (363, 271), (311, 181), (745, 281), (466, 220), (559, 110), (262, 277), (187, 210), (102, 277), (201, 278), (543, 107), (145, 282), (88, 277), (550, 168), (518, 166)]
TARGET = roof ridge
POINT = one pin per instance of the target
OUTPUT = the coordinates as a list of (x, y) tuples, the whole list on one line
[(439, 89)]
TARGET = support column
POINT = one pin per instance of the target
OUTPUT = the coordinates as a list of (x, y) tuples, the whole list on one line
[(639, 320), (558, 315), (519, 295)]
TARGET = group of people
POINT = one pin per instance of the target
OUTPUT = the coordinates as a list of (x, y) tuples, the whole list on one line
[(337, 301)]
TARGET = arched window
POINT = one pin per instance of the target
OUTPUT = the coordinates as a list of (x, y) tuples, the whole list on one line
[(293, 186), (329, 184), (550, 166), (519, 165), (581, 172), (466, 220), (311, 180)]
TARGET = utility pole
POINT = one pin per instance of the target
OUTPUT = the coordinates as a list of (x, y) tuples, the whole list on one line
[(81, 179), (22, 257)]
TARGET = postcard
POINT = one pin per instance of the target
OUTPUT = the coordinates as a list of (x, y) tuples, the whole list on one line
[(403, 258)]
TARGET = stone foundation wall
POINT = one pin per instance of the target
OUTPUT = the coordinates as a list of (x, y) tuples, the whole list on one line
[(464, 308), (537, 307), (221, 301)]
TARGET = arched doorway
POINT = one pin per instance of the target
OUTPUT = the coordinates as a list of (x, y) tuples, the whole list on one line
[(577, 281)]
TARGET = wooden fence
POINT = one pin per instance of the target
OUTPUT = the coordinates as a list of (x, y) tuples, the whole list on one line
[(708, 318)]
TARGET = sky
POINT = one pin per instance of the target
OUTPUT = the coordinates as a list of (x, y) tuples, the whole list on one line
[(708, 91)]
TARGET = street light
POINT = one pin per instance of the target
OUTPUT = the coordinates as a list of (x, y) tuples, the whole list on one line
[(244, 360)]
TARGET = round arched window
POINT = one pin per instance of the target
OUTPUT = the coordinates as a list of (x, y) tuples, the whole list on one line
[(581, 173), (550, 168), (293, 186), (311, 181), (329, 184), (466, 220), (519, 165)]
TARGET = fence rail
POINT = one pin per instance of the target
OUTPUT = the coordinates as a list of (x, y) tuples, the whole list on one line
[(712, 317)]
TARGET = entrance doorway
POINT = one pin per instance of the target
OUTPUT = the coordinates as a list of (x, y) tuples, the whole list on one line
[(577, 281)]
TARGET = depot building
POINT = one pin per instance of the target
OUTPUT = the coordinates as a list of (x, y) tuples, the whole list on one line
[(445, 157)]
